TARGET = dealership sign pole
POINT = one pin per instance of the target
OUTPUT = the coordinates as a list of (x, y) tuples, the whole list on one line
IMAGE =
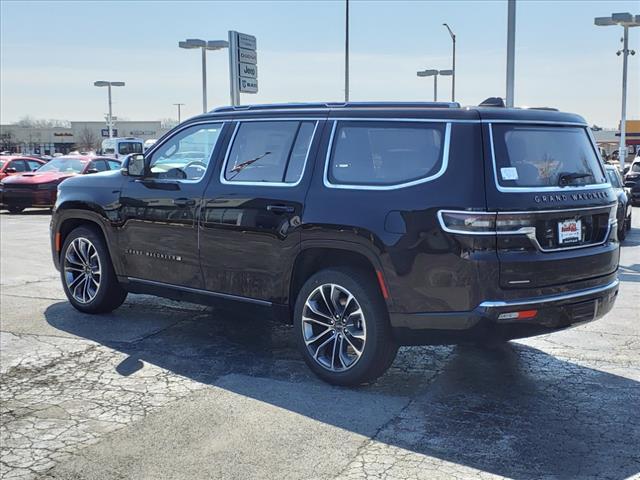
[(243, 68)]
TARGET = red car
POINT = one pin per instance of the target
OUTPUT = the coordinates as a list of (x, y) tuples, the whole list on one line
[(39, 188), (10, 165)]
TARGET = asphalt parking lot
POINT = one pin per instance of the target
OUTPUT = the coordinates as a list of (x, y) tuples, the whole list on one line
[(160, 390)]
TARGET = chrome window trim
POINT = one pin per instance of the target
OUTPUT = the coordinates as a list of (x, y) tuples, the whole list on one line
[(550, 298), (224, 181), (539, 189), (200, 291), (439, 173), (156, 146)]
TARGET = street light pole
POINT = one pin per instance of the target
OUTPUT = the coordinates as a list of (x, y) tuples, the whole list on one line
[(434, 74), (204, 80), (453, 68), (192, 43), (178, 105), (435, 88), (104, 83), (625, 20), (110, 113)]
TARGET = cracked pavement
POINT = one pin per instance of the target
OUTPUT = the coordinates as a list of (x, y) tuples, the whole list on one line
[(160, 389)]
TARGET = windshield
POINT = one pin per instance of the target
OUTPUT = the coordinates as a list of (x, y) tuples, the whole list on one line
[(540, 156), (1, 163), (636, 167), (63, 165), (126, 148)]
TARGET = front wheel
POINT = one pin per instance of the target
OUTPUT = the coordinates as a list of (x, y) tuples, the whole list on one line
[(88, 277), (342, 327)]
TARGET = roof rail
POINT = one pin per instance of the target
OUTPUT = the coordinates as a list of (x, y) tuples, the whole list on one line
[(326, 105)]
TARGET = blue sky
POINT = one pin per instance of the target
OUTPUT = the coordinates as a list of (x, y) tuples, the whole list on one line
[(51, 52)]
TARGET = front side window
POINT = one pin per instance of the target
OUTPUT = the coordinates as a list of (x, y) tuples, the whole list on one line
[(18, 166), (114, 165), (98, 165), (127, 148), (186, 155), (385, 153), (272, 151), (541, 156)]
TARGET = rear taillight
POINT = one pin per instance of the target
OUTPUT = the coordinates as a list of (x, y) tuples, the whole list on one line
[(485, 223)]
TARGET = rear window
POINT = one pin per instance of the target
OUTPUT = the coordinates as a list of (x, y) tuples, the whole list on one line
[(385, 153), (540, 156), (127, 148)]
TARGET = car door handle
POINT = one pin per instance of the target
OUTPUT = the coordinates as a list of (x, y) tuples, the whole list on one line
[(184, 202), (280, 208)]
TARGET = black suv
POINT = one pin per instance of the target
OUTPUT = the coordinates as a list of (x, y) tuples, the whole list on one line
[(366, 225)]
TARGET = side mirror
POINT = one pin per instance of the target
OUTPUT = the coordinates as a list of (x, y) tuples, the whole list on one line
[(10, 170), (133, 165), (92, 170)]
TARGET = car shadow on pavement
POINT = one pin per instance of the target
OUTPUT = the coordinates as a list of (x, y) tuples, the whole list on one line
[(513, 411)]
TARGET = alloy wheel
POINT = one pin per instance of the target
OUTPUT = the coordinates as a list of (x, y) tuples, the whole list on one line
[(334, 327), (82, 270)]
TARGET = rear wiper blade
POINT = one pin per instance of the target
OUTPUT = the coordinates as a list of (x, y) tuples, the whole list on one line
[(566, 178)]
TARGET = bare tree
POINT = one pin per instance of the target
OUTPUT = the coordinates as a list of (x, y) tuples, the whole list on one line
[(29, 121), (7, 142), (87, 140), (167, 123)]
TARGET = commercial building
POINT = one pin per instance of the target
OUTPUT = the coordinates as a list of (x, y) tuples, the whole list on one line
[(79, 136)]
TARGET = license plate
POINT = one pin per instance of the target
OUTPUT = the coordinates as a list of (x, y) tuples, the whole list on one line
[(569, 231)]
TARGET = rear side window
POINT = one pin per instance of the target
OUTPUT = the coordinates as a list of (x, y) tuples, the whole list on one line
[(540, 156), (272, 152), (385, 153)]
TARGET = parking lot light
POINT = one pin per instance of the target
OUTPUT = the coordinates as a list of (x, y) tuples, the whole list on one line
[(193, 43), (626, 21), (434, 74), (104, 83)]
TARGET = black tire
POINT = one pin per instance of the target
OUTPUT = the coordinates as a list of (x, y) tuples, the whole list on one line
[(14, 209), (622, 230), (109, 294), (380, 347)]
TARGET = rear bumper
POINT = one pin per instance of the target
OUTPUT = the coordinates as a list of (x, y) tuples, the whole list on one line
[(554, 312)]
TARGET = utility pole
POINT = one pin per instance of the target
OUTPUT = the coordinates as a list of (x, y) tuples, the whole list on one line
[(179, 105), (346, 53), (511, 49)]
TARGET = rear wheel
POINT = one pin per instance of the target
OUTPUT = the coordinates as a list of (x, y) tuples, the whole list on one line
[(629, 222), (88, 278), (14, 210), (342, 327)]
